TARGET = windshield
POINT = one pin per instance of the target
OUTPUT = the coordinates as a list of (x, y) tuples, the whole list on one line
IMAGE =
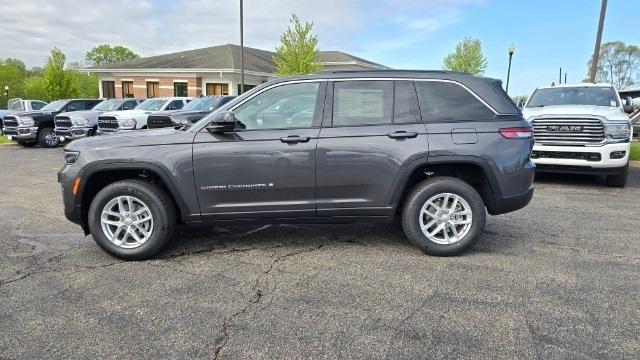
[(55, 106), (203, 103), (107, 105), (15, 104), (151, 105), (586, 95)]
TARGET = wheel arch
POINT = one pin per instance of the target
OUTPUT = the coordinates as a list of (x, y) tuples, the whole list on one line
[(96, 177), (471, 169)]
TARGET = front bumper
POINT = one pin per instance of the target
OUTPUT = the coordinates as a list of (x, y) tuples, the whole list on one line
[(72, 208), (22, 133), (587, 157), (73, 133)]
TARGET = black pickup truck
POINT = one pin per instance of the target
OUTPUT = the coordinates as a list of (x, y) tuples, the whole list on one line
[(189, 114), (32, 128)]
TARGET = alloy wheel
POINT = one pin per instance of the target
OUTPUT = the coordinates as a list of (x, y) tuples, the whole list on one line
[(445, 218), (127, 222)]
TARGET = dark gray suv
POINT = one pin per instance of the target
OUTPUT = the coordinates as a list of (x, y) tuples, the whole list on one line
[(438, 149)]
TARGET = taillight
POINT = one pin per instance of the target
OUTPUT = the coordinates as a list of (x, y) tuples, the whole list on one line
[(517, 133)]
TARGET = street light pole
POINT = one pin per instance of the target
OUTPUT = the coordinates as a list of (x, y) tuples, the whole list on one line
[(511, 49), (6, 94), (241, 49), (596, 51)]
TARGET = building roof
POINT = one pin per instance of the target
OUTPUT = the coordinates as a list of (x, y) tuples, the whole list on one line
[(228, 57)]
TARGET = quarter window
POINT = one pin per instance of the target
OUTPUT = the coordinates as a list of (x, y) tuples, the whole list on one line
[(444, 101), (362, 102), (286, 106)]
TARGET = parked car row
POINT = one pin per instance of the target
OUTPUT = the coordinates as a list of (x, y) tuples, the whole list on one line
[(33, 122)]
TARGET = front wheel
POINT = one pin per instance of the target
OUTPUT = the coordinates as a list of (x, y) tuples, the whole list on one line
[(47, 138), (443, 216), (619, 180), (132, 219)]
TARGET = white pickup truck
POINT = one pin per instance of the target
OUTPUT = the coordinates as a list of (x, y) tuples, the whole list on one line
[(581, 128), (19, 105)]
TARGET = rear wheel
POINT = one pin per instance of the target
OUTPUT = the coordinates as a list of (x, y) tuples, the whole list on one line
[(132, 219), (619, 180), (27, 144), (443, 216), (48, 138)]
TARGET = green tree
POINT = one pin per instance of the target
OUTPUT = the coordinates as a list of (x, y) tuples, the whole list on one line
[(12, 74), (467, 57), (619, 64), (58, 82), (297, 52), (34, 88), (85, 83), (105, 54)]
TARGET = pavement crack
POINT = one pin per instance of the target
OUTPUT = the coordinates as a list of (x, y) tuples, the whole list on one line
[(256, 298)]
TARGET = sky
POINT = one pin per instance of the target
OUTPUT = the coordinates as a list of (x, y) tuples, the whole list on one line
[(403, 34)]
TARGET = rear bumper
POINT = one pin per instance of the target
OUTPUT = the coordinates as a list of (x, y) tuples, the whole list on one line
[(505, 204)]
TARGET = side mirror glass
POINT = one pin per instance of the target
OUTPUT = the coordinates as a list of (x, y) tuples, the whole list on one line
[(223, 121), (628, 105)]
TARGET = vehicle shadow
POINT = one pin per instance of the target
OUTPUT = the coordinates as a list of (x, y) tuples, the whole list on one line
[(585, 180)]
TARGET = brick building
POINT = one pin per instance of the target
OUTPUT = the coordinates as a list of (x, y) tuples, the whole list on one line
[(209, 71)]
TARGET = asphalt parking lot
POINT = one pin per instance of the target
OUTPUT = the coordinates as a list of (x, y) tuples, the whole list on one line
[(558, 279)]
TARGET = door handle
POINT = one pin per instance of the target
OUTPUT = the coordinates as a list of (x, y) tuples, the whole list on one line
[(402, 135), (293, 139)]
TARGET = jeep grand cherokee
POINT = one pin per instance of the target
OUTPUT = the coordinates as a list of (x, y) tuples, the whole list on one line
[(438, 149)]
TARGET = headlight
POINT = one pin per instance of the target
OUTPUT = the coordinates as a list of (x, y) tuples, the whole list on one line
[(71, 156), (81, 122), (127, 123), (25, 121), (184, 122), (617, 132)]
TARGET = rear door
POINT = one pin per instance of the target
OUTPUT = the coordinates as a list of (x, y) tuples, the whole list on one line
[(370, 129)]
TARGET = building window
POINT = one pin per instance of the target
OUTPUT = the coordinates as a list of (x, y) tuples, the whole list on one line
[(217, 89), (127, 89), (247, 87), (153, 89), (180, 89), (109, 89)]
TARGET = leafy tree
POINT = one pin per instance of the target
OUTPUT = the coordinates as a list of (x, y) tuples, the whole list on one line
[(85, 83), (105, 54), (12, 74), (467, 57), (297, 52), (58, 82), (619, 64), (34, 88)]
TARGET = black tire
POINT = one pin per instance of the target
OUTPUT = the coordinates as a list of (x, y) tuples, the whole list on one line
[(43, 136), (27, 144), (160, 206), (619, 180), (423, 192)]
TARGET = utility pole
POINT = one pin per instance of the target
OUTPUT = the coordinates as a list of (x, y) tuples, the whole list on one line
[(560, 77), (511, 49), (596, 51), (241, 49), (565, 77)]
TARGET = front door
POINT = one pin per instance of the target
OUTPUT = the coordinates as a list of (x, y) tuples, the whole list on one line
[(369, 132), (266, 168)]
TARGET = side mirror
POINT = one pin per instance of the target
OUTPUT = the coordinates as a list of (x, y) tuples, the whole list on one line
[(628, 105), (223, 121)]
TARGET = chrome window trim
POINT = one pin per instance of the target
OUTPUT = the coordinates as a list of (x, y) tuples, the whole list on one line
[(235, 106)]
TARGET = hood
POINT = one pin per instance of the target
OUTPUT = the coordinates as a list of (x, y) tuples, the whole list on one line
[(78, 114), (33, 113), (181, 113), (125, 114), (610, 113), (136, 138)]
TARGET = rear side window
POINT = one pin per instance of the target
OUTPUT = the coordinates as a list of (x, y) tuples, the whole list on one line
[(362, 102), (444, 101)]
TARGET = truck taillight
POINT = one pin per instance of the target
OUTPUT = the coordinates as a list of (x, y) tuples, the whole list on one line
[(517, 133)]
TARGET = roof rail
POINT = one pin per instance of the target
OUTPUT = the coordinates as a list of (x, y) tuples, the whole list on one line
[(393, 70)]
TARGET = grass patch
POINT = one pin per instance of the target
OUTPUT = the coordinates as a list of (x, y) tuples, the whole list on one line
[(4, 140), (635, 151)]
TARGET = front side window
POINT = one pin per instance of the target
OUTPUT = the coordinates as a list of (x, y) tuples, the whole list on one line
[(581, 95), (362, 102), (151, 105), (285, 106), (445, 101), (37, 105), (175, 105), (180, 89)]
